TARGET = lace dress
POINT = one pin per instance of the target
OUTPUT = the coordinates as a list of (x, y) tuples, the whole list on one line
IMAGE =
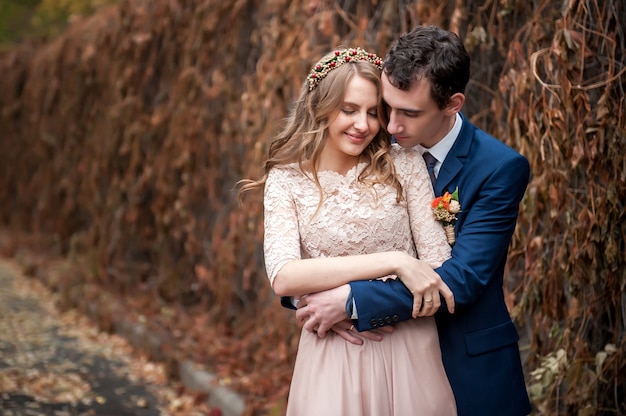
[(403, 374)]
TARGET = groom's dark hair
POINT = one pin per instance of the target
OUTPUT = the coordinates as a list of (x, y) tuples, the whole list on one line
[(432, 53)]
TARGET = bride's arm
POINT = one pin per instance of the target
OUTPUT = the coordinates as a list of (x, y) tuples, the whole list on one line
[(289, 274), (299, 277)]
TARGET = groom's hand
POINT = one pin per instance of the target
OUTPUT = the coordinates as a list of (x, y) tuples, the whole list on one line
[(323, 311), (320, 311)]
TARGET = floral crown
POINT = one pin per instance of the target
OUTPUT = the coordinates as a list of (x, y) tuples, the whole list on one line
[(336, 59)]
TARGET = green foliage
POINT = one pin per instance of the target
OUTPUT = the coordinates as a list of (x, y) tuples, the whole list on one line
[(52, 16), (21, 19), (15, 18)]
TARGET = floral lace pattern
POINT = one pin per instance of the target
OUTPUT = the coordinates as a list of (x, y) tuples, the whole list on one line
[(353, 219)]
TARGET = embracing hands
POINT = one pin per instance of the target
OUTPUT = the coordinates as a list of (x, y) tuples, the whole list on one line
[(324, 311)]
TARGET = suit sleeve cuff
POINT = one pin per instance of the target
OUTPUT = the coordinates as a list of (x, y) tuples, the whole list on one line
[(351, 307)]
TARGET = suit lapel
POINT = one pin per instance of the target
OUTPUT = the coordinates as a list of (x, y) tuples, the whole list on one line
[(455, 160)]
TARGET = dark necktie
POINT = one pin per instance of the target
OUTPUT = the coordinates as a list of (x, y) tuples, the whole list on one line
[(430, 165)]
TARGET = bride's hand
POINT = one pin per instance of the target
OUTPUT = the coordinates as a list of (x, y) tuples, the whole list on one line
[(348, 332), (425, 285)]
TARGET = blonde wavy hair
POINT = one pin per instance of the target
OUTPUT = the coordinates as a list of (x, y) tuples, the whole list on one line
[(305, 132)]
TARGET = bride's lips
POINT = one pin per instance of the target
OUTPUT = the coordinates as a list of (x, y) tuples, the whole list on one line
[(358, 139)]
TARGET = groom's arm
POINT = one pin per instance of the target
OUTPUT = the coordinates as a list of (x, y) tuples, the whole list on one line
[(322, 310), (379, 303), (478, 256), (288, 302)]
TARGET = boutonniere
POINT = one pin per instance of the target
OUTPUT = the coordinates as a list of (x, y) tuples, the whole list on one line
[(445, 208)]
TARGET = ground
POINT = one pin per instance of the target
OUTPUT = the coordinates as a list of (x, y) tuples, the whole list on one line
[(58, 363)]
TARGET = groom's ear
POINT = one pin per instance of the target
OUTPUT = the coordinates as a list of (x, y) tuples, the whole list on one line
[(455, 103)]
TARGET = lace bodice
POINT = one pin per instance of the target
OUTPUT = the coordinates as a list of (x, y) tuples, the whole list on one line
[(353, 218)]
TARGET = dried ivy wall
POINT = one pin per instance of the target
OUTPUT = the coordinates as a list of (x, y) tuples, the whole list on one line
[(123, 140)]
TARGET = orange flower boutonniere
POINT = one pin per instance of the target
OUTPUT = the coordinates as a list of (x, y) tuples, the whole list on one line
[(445, 208)]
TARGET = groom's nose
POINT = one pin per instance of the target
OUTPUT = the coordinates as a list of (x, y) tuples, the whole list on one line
[(393, 127)]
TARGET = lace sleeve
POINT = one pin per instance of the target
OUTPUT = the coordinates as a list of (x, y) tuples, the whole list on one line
[(281, 242), (428, 235)]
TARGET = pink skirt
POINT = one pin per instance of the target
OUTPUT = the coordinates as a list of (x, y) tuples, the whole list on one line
[(401, 375)]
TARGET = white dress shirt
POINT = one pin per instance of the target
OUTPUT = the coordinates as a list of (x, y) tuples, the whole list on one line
[(441, 149)]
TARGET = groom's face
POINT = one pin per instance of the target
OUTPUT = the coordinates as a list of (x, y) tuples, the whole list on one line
[(414, 117)]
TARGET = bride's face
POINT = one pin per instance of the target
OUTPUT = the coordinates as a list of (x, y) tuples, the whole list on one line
[(353, 127)]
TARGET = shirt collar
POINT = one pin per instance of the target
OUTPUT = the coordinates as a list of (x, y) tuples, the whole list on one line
[(441, 149)]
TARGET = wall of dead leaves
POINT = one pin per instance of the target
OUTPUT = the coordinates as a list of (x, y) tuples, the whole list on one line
[(123, 140)]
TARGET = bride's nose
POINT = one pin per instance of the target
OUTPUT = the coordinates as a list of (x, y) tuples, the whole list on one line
[(361, 122)]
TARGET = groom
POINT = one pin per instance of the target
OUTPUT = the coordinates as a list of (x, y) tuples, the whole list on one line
[(424, 78)]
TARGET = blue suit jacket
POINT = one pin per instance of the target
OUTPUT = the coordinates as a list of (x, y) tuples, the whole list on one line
[(479, 341)]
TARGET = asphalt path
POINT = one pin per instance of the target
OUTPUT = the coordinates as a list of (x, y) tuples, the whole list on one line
[(52, 363)]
